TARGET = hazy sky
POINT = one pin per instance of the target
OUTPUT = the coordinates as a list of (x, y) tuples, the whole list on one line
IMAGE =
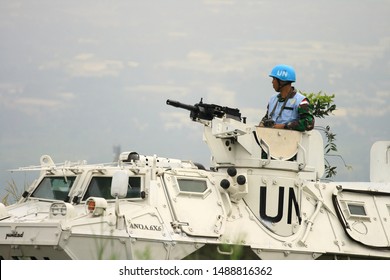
[(79, 77)]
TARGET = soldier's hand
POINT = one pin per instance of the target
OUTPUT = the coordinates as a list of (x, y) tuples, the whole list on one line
[(279, 125)]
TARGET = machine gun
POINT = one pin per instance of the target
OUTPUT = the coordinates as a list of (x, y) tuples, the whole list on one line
[(204, 111)]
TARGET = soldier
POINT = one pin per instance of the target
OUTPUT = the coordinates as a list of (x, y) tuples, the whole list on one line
[(288, 108)]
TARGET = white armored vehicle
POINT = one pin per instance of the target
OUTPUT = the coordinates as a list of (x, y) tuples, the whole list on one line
[(261, 199)]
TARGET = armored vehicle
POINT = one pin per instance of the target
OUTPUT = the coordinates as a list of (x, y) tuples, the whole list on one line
[(261, 198)]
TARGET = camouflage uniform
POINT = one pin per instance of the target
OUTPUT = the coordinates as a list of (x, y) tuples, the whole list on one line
[(305, 120)]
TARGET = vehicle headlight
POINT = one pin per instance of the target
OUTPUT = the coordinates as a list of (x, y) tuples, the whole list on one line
[(60, 210), (96, 205)]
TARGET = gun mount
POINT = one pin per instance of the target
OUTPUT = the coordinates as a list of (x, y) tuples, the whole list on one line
[(204, 111)]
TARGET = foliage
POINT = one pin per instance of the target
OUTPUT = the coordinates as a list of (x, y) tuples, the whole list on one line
[(12, 193), (322, 105), (330, 146), (223, 251)]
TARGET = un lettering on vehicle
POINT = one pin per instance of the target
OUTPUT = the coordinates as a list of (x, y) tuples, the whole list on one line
[(279, 205)]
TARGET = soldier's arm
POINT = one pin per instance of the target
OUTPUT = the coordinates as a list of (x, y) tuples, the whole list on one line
[(306, 119)]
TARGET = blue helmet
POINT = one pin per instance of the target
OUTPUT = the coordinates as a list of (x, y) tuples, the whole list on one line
[(283, 72)]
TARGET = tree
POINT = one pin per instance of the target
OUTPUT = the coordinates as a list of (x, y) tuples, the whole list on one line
[(323, 105)]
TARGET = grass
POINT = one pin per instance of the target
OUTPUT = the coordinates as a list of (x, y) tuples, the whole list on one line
[(13, 193)]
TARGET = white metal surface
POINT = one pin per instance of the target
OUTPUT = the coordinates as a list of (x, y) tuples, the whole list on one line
[(274, 207)]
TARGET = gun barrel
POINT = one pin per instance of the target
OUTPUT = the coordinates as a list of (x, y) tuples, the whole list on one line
[(181, 105), (203, 111)]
